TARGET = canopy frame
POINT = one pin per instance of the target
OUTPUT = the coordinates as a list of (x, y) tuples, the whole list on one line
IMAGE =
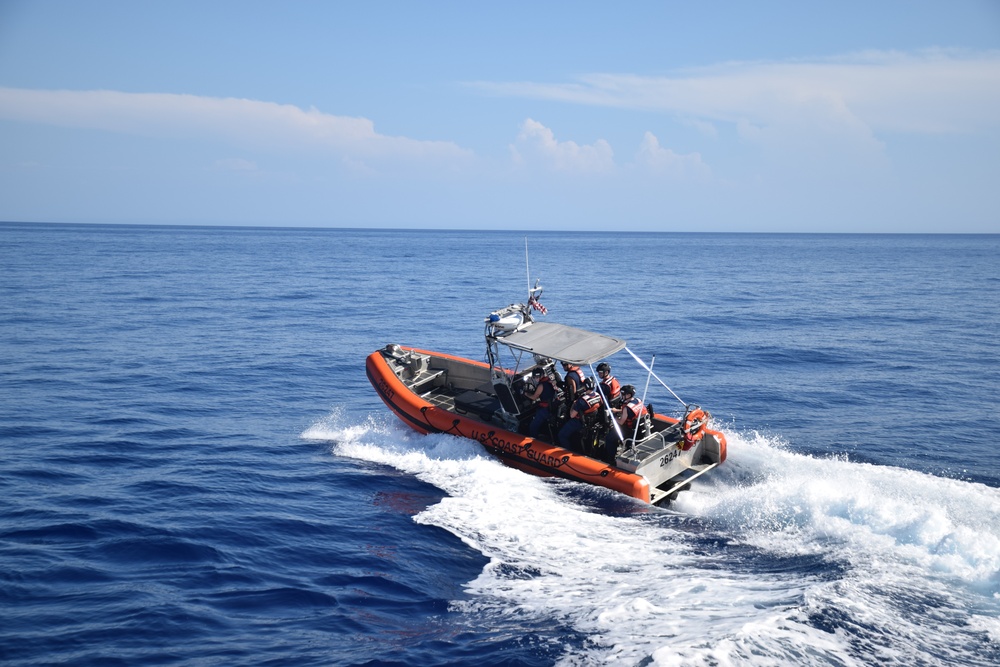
[(561, 342)]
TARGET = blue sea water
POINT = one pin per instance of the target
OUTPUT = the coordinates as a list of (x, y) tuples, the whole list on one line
[(195, 470)]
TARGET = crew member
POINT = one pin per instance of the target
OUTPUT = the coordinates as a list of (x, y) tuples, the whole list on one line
[(543, 395), (586, 405), (627, 416), (609, 385), (572, 383)]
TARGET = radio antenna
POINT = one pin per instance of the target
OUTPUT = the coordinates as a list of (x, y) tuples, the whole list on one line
[(526, 267)]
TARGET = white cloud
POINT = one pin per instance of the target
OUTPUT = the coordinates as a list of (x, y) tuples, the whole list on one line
[(242, 122), (664, 160), (536, 144), (927, 92)]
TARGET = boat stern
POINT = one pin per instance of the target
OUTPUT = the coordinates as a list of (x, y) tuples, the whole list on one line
[(668, 468)]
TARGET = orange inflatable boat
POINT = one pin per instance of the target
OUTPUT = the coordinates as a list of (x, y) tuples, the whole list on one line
[(581, 431)]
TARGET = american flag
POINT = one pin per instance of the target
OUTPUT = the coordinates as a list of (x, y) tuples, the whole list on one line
[(533, 302)]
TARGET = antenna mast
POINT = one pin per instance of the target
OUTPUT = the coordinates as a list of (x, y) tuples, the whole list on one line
[(526, 267)]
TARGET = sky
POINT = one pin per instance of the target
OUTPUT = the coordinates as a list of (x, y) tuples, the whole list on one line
[(765, 116)]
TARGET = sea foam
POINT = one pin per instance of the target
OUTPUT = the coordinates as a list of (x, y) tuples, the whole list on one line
[(653, 586)]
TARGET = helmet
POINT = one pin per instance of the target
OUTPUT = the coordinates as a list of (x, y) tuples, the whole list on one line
[(588, 383), (537, 372), (604, 367), (628, 389)]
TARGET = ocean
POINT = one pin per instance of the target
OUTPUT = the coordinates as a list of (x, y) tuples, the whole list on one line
[(196, 471)]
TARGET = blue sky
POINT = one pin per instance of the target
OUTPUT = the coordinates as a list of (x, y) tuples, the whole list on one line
[(875, 116)]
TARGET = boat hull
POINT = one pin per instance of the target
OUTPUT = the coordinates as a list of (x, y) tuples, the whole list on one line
[(531, 455), (519, 451)]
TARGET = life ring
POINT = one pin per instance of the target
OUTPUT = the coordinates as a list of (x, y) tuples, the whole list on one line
[(693, 427)]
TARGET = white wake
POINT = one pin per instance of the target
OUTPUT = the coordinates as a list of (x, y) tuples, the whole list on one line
[(913, 560)]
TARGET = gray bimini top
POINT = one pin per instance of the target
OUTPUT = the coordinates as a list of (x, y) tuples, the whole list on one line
[(563, 343)]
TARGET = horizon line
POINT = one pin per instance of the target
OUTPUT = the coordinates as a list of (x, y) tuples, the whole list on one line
[(272, 227)]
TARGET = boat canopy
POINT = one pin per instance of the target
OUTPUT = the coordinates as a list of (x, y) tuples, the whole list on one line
[(562, 343)]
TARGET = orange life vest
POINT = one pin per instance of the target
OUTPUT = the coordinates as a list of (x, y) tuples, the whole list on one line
[(611, 388), (587, 403), (635, 410), (548, 392), (577, 375)]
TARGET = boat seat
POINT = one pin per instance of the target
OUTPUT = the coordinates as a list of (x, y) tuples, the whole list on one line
[(477, 403), (425, 381), (506, 397)]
